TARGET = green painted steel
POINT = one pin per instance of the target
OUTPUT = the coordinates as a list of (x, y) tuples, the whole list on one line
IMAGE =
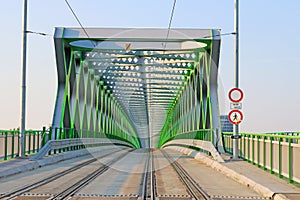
[(277, 157), (35, 139), (89, 106), (9, 142), (66, 133), (192, 109), (135, 84)]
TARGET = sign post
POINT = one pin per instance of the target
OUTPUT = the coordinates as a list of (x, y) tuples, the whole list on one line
[(235, 116), (236, 70)]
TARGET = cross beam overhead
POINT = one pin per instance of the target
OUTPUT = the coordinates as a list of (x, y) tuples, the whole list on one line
[(137, 84)]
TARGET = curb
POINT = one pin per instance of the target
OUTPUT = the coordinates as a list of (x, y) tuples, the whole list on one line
[(262, 190)]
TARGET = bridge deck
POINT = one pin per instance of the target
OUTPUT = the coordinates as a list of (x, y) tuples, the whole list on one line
[(229, 180)]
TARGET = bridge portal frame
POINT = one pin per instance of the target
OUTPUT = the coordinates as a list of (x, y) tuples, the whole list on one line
[(85, 100)]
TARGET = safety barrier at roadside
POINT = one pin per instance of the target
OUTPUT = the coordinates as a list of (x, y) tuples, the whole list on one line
[(275, 152), (205, 134), (37, 139), (67, 144), (10, 143), (205, 146)]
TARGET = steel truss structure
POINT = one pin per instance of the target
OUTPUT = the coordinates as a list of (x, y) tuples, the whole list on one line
[(146, 86)]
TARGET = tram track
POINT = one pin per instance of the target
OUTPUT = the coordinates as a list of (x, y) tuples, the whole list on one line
[(153, 180), (192, 187), (76, 186), (70, 191), (149, 184), (145, 174)]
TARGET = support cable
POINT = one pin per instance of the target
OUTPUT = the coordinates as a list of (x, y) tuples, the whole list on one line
[(38, 33), (170, 23), (77, 19), (223, 34)]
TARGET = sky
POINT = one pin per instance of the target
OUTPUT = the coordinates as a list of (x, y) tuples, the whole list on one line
[(269, 52)]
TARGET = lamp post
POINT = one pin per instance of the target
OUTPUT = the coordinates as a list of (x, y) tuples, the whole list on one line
[(236, 73), (23, 81)]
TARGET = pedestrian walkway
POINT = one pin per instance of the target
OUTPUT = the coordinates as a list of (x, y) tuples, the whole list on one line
[(266, 184)]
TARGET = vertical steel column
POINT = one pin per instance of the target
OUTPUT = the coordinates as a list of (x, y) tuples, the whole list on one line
[(197, 99), (196, 102), (185, 101), (191, 105), (13, 144), (5, 145), (192, 88), (236, 72), (117, 118), (188, 107), (181, 113), (106, 111), (113, 120), (110, 114), (101, 110), (23, 87)]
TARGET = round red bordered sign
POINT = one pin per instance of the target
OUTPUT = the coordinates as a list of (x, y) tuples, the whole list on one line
[(235, 117), (235, 95)]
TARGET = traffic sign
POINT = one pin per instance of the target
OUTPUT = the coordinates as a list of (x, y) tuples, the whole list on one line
[(235, 117), (235, 106), (236, 95), (127, 47)]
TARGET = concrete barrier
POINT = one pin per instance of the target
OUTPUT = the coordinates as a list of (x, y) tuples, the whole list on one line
[(65, 143), (201, 144)]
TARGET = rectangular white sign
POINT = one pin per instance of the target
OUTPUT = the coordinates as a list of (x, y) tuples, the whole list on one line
[(235, 106)]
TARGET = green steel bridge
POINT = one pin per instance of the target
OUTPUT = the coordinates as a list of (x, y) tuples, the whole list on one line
[(146, 88)]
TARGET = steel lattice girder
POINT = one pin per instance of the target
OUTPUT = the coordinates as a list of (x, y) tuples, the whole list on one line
[(109, 76)]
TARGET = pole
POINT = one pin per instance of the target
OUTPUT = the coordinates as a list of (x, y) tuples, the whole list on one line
[(236, 73), (23, 84)]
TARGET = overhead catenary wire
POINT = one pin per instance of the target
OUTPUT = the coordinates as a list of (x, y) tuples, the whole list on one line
[(77, 19), (74, 14), (38, 33), (170, 23), (164, 45), (223, 34)]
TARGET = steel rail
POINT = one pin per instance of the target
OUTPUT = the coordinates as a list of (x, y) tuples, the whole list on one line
[(70, 191), (148, 184), (194, 189), (144, 193), (152, 180), (51, 178)]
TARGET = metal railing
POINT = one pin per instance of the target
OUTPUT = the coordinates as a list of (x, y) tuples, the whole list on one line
[(36, 139), (278, 153), (10, 142)]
